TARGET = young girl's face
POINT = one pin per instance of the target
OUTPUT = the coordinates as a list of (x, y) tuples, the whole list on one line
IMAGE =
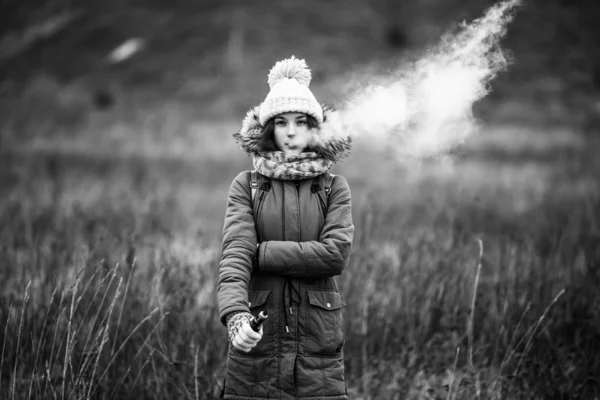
[(292, 134)]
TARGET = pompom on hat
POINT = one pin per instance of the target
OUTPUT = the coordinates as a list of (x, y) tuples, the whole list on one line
[(289, 80)]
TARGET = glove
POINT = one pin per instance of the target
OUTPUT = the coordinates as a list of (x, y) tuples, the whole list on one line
[(241, 335)]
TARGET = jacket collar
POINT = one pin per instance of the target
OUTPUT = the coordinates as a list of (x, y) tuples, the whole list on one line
[(330, 140)]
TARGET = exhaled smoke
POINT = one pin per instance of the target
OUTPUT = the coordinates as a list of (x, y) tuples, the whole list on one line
[(425, 109)]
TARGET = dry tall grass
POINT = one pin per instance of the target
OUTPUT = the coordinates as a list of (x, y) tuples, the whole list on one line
[(109, 267)]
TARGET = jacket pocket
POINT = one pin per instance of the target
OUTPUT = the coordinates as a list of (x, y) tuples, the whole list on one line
[(258, 300), (325, 322)]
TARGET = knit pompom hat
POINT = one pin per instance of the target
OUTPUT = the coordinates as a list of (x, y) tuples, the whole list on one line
[(289, 80)]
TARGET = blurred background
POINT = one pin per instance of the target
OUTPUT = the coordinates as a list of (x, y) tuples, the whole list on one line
[(116, 156)]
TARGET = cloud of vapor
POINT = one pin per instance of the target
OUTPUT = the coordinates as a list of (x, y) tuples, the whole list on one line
[(424, 109)]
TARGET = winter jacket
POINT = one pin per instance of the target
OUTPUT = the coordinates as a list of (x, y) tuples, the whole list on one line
[(304, 241)]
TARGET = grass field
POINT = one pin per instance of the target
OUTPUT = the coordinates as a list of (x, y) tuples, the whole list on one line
[(476, 279)]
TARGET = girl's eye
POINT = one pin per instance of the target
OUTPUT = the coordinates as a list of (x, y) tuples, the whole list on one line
[(301, 122), (280, 123)]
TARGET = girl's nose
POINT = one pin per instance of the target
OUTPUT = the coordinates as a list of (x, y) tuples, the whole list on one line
[(291, 130)]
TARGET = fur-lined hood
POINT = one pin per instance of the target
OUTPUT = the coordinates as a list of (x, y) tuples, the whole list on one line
[(330, 140)]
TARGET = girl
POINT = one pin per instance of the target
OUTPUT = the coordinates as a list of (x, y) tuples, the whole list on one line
[(288, 231)]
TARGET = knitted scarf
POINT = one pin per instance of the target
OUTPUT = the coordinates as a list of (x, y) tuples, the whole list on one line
[(280, 165), (331, 144)]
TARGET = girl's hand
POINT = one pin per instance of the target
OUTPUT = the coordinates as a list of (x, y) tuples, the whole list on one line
[(241, 335)]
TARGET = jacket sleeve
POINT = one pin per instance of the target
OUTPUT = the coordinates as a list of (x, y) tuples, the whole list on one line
[(315, 259), (239, 249)]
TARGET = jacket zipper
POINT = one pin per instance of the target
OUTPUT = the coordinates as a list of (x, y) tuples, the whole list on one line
[(299, 219), (295, 317), (283, 211)]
